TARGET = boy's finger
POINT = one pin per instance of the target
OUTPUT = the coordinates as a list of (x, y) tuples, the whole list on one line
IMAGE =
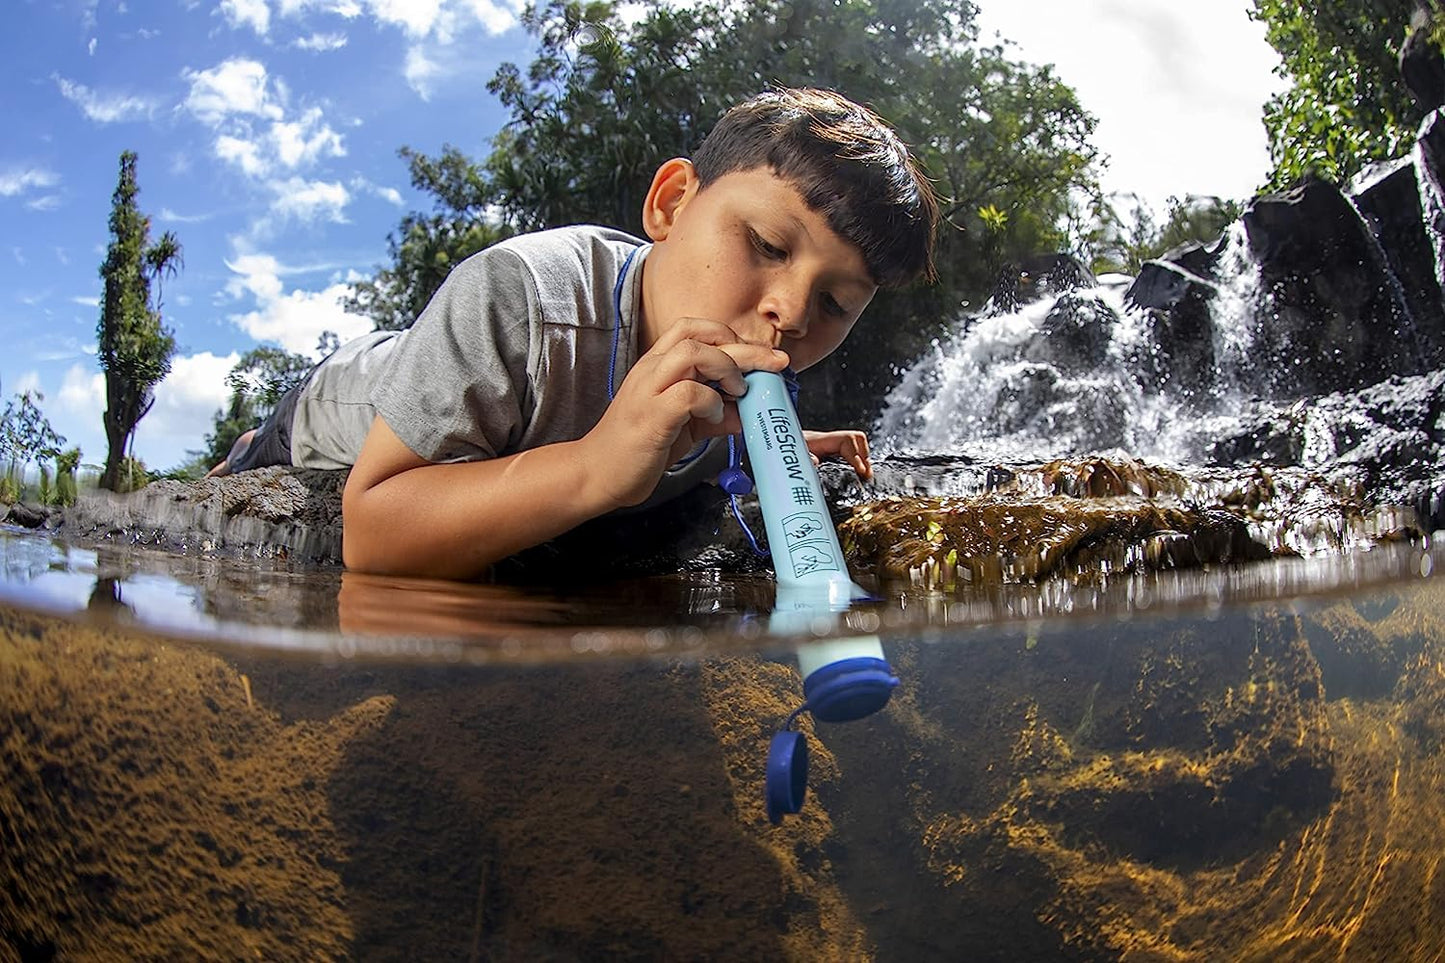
[(756, 357), (714, 333), (723, 365), (695, 329)]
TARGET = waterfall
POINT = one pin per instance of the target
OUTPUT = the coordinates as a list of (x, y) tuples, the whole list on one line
[(1083, 372)]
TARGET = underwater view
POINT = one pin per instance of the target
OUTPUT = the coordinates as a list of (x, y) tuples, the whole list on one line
[(1241, 765)]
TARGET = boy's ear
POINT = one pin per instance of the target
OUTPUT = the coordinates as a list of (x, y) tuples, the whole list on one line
[(673, 186)]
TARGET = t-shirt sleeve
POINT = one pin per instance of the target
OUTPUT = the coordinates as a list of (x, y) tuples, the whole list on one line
[(456, 386)]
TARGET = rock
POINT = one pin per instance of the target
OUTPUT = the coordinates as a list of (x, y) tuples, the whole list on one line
[(295, 514), (1395, 212), (1421, 65), (1075, 335), (1389, 439), (1337, 315), (269, 512), (27, 515)]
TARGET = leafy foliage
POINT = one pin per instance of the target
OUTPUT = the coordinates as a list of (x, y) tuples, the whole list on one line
[(426, 247), (1347, 105), (26, 438), (1196, 218), (257, 382), (607, 98), (135, 348)]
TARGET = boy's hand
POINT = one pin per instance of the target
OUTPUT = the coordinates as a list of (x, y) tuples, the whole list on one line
[(851, 446), (665, 406)]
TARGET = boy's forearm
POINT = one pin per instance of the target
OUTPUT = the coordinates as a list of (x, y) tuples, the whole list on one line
[(456, 520)]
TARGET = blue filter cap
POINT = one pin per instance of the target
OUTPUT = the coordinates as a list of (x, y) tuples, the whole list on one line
[(735, 481), (849, 689), (787, 778)]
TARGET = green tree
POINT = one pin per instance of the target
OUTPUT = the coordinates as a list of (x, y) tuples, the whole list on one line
[(135, 348), (26, 438), (66, 464), (426, 247), (1346, 105), (607, 98), (257, 381), (1124, 245)]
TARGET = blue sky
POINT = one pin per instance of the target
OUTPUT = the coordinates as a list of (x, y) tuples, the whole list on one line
[(267, 133)]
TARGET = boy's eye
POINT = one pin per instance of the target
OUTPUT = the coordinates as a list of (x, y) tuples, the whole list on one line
[(770, 251), (832, 307)]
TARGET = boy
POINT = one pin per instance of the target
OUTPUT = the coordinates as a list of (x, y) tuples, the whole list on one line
[(559, 376)]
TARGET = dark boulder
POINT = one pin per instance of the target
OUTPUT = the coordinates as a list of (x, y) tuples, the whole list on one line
[(27, 515), (1421, 65), (1337, 317)]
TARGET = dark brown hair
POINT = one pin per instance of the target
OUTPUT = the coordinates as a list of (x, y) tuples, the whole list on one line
[(847, 163)]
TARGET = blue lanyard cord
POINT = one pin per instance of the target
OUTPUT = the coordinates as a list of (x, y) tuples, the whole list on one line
[(617, 323), (729, 479)]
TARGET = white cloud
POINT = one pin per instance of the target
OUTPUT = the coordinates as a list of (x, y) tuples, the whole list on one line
[(320, 42), (497, 18), (297, 320), (18, 181), (347, 9), (1179, 105), (417, 17), (29, 381), (420, 71), (90, 47), (243, 153), (310, 200), (305, 139), (82, 392), (88, 301), (64, 349), (257, 274), (237, 86), (247, 13), (105, 108), (46, 202), (436, 55), (185, 407), (171, 217), (389, 194), (293, 320), (255, 128)]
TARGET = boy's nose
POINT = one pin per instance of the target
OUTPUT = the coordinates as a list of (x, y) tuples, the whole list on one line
[(787, 315)]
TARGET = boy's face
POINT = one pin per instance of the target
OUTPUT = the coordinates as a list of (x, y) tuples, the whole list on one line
[(749, 252)]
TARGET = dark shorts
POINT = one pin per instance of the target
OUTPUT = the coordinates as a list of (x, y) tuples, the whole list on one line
[(271, 444)]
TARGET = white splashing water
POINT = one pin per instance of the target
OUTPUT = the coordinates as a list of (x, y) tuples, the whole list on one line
[(1075, 374)]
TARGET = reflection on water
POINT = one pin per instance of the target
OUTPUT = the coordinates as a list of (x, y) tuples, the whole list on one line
[(264, 602), (1223, 765)]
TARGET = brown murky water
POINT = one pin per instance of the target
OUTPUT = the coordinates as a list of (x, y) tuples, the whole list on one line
[(207, 760)]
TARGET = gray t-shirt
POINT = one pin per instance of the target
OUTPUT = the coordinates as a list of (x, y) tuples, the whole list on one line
[(513, 352)]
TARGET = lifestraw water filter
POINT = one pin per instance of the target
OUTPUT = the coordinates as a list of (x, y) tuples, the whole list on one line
[(843, 679)]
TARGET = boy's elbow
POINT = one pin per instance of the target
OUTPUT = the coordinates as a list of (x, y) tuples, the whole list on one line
[(361, 539)]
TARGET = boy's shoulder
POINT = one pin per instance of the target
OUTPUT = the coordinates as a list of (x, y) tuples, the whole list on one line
[(578, 245)]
